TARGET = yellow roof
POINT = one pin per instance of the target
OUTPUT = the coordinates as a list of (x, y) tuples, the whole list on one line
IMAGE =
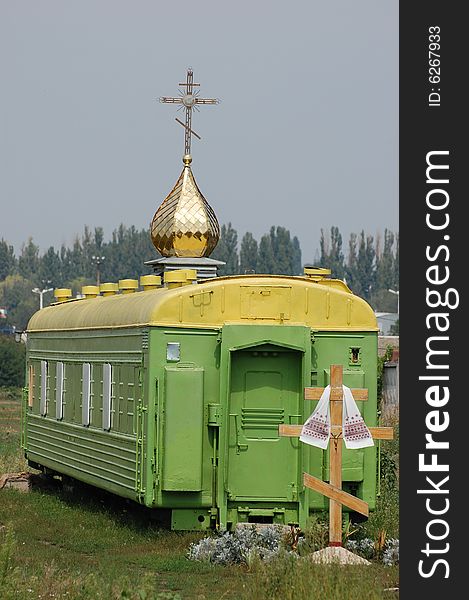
[(263, 299)]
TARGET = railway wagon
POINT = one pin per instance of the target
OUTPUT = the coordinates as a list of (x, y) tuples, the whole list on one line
[(172, 397)]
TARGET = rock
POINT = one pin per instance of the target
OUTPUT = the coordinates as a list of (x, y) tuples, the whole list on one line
[(337, 555), (16, 481)]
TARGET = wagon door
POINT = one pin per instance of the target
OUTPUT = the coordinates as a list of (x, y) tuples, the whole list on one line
[(265, 390)]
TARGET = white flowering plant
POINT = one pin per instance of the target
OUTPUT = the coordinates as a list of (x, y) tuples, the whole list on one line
[(244, 545)]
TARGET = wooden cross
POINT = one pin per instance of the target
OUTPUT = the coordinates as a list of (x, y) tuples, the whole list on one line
[(188, 99), (333, 489)]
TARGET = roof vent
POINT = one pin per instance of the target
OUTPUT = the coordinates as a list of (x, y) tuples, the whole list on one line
[(316, 273), (150, 282), (90, 291), (108, 289), (62, 294), (175, 279), (128, 286)]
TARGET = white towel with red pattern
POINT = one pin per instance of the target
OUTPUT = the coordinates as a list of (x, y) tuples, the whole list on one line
[(317, 429), (354, 430)]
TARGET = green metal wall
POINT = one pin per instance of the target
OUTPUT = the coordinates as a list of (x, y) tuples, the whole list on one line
[(197, 433), (107, 459)]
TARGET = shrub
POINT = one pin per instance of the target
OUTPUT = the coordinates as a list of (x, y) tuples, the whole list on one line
[(369, 549), (244, 545)]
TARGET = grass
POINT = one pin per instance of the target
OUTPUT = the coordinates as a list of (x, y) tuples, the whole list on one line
[(293, 579), (80, 543), (11, 459), (384, 521), (88, 545)]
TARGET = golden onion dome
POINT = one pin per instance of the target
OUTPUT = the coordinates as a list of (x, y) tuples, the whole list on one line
[(185, 224)]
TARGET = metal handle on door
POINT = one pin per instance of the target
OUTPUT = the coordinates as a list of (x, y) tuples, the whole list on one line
[(239, 434)]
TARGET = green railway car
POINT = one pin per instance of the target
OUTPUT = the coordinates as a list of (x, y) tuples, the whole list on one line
[(172, 397)]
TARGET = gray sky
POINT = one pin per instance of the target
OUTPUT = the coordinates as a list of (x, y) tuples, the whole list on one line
[(306, 135)]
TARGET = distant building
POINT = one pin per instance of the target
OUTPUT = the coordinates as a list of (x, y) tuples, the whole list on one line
[(384, 341), (7, 330), (385, 321), (390, 393)]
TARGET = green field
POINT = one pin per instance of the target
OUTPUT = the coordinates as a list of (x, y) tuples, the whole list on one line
[(76, 542)]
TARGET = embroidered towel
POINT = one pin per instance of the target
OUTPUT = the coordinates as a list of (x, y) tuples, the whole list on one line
[(317, 429), (355, 433)]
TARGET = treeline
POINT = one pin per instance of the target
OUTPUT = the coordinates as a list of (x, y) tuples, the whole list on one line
[(276, 252), (70, 267), (74, 266), (370, 266), (124, 255)]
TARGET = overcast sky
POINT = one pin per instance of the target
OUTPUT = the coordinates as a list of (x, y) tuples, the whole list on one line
[(306, 135)]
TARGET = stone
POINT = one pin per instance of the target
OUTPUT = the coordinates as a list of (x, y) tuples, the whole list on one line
[(337, 555), (16, 481)]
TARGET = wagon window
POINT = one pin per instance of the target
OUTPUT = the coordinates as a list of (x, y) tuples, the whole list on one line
[(59, 390), (86, 395), (44, 374), (30, 386), (107, 389)]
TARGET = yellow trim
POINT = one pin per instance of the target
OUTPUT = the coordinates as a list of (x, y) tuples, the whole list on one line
[(259, 299)]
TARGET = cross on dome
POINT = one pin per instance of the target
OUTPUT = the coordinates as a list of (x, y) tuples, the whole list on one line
[(188, 99)]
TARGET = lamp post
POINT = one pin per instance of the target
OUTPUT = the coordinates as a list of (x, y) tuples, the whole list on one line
[(98, 260), (397, 294), (41, 295)]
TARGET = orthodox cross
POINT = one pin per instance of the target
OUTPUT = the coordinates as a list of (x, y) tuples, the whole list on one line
[(188, 99), (333, 490)]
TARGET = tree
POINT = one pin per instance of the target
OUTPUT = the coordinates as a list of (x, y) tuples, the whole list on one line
[(77, 283), (351, 269), (365, 266), (276, 253), (72, 262), (248, 254), (12, 362), (383, 300), (28, 262), (297, 266), (282, 250), (50, 269), (126, 253), (16, 295), (385, 263), (265, 258), (227, 250), (7, 260), (324, 248), (65, 263), (332, 256)]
